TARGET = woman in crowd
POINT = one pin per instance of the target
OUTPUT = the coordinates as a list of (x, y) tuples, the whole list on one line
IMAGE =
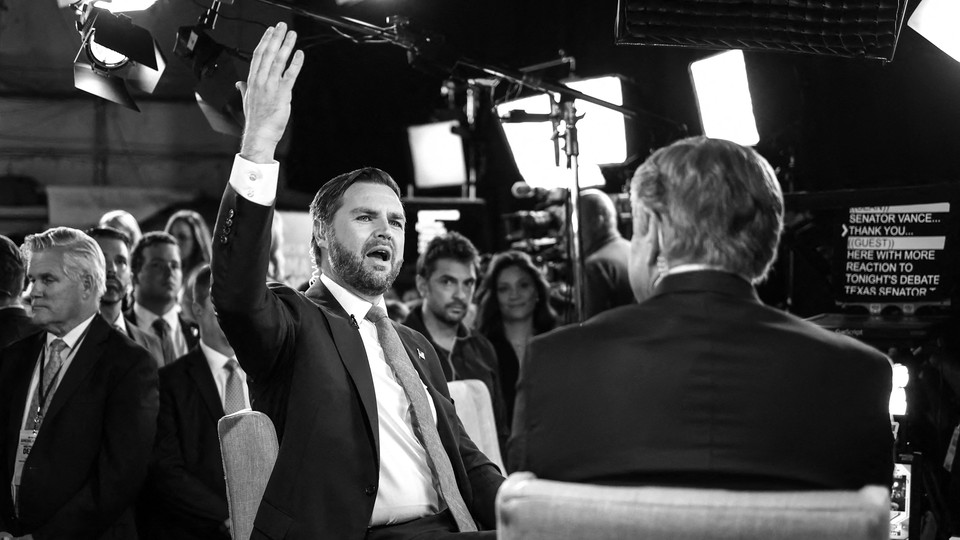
[(514, 306), (193, 235)]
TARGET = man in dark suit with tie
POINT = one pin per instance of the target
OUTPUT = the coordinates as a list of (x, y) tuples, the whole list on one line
[(701, 384), (157, 276), (360, 403), (186, 480), (115, 245), (15, 324), (78, 404)]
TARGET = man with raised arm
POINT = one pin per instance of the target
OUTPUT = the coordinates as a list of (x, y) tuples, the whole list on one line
[(371, 446)]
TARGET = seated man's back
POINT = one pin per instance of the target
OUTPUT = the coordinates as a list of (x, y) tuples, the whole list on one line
[(701, 384)]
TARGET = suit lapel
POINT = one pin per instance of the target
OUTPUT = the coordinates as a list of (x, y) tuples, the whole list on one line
[(90, 352), (199, 372), (23, 359), (352, 354), (191, 334)]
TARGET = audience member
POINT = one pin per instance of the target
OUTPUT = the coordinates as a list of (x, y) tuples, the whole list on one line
[(124, 222), (343, 384), (446, 278), (78, 404), (514, 306), (702, 384), (186, 482), (15, 324), (115, 246), (605, 279), (157, 275), (193, 237)]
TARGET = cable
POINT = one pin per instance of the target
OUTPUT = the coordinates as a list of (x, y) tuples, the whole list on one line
[(229, 18)]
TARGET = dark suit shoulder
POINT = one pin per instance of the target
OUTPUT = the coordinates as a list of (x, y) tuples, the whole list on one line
[(181, 365)]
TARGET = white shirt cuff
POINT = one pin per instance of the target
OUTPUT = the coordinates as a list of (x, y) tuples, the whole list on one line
[(255, 182)]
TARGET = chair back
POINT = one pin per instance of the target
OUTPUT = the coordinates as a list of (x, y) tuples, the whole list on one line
[(475, 409), (533, 509), (248, 443)]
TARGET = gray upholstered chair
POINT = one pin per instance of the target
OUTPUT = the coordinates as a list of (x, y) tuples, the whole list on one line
[(475, 410), (533, 509), (248, 442)]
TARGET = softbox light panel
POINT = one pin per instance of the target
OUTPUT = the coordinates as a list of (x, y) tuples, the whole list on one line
[(847, 28)]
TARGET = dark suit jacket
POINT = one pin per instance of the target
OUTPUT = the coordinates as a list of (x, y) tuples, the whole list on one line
[(15, 325), (92, 452), (606, 278), (186, 478), (307, 369), (704, 385), (190, 331), (149, 342)]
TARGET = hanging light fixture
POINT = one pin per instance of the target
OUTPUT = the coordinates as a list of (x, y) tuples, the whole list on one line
[(115, 54)]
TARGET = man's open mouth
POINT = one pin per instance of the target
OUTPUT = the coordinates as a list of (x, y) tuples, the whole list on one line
[(381, 252)]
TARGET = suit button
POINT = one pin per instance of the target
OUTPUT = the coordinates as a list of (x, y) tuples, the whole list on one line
[(223, 239), (226, 230), (230, 213), (228, 222), (370, 490)]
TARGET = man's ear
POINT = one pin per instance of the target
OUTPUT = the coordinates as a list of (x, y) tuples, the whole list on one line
[(421, 286), (648, 228), (86, 286), (320, 234)]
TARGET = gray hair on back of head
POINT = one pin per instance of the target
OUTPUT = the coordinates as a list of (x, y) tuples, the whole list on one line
[(721, 200)]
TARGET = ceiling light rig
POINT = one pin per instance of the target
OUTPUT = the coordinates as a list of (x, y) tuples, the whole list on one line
[(216, 69), (115, 55)]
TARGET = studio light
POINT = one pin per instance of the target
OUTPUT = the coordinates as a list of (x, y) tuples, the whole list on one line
[(119, 6), (723, 98), (939, 22), (437, 152), (530, 125), (855, 29), (114, 54), (216, 71)]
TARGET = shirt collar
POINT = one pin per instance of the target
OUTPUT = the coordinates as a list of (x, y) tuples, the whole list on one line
[(72, 336), (120, 323), (355, 306), (147, 316), (215, 360)]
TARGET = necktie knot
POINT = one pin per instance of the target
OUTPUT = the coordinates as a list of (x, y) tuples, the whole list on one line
[(231, 365), (376, 314), (161, 327), (56, 348)]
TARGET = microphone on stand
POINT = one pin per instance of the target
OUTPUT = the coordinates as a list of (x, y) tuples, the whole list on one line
[(523, 190)]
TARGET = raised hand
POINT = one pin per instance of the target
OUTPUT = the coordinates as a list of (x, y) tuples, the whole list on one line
[(267, 93)]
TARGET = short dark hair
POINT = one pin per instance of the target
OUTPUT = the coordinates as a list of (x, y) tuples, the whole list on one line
[(451, 245), (150, 239), (13, 271), (201, 284), (111, 233), (329, 199)]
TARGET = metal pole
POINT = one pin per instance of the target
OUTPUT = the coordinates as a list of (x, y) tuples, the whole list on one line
[(569, 112)]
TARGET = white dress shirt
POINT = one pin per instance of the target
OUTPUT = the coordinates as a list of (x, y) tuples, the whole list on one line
[(145, 319), (217, 363), (406, 489), (73, 339)]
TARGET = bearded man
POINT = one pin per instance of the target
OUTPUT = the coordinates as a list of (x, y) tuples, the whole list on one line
[(371, 446)]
